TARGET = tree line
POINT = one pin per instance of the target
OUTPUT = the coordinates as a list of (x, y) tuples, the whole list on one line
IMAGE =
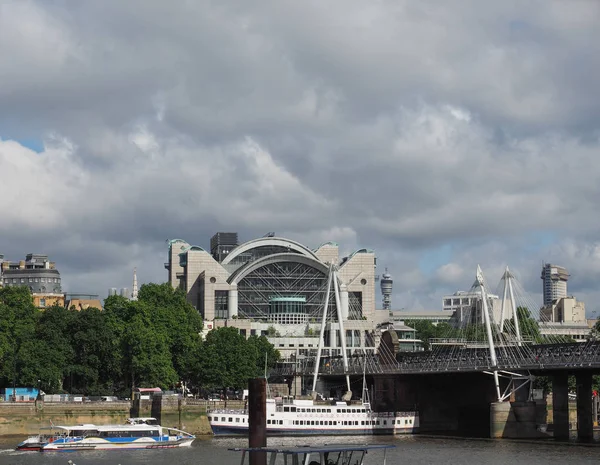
[(152, 342)]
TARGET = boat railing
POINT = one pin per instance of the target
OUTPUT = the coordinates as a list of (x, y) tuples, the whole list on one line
[(227, 411)]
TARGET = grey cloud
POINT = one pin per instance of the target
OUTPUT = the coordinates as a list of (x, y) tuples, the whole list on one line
[(398, 126)]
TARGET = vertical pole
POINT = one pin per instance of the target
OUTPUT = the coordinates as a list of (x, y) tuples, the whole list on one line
[(257, 419), (502, 313), (514, 309), (342, 331), (488, 328), (322, 333)]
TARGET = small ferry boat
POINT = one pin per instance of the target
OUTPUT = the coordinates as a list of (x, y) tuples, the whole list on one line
[(137, 433), (321, 455), (287, 416)]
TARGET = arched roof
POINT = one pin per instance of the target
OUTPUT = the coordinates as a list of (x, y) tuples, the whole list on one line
[(269, 241), (243, 271)]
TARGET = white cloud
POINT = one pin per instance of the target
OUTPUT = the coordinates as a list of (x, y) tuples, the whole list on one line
[(398, 126)]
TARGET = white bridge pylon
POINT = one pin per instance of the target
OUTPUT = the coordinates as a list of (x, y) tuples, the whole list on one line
[(489, 320)]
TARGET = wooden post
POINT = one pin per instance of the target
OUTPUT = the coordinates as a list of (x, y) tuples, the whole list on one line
[(257, 419)]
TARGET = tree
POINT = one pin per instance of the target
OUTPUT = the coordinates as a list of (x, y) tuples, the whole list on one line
[(18, 318), (265, 351), (528, 327), (97, 357), (227, 359), (51, 352)]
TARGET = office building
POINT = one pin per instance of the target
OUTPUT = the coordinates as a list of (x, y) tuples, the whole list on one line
[(555, 283), (39, 274)]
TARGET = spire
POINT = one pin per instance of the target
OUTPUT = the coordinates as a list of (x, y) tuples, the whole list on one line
[(134, 294)]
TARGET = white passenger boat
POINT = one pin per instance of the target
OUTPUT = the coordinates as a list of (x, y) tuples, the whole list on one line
[(293, 417), (137, 433), (321, 455)]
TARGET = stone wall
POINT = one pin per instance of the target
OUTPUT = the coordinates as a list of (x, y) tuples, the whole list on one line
[(26, 419)]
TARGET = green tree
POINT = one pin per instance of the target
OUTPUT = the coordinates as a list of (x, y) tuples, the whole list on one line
[(265, 351), (18, 318), (227, 359), (97, 366), (528, 326), (51, 352)]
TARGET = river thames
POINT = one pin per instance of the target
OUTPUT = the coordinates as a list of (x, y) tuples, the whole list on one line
[(410, 450)]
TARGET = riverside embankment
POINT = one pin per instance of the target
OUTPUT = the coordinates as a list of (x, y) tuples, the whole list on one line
[(27, 418)]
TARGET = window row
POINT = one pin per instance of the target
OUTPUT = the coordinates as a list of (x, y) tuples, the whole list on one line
[(31, 280)]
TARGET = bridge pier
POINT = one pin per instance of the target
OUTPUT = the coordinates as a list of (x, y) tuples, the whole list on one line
[(560, 405), (585, 422)]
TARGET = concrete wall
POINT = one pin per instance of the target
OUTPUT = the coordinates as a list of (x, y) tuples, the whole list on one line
[(26, 419)]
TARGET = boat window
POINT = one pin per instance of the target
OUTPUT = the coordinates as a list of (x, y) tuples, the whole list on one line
[(237, 420), (362, 422), (209, 418), (328, 410), (222, 418), (281, 422), (230, 419), (318, 410), (363, 410), (268, 422), (410, 421), (286, 409), (292, 409), (385, 422)]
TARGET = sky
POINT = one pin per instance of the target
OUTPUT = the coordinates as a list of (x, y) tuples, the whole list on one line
[(442, 135)]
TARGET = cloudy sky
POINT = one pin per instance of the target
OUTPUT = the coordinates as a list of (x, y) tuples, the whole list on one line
[(441, 134)]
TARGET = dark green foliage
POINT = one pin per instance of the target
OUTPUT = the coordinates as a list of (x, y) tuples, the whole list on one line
[(227, 359), (154, 341)]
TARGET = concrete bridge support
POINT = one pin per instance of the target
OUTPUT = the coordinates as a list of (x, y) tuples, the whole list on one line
[(560, 405), (585, 422)]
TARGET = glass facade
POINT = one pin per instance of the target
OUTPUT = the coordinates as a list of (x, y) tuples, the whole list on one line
[(221, 304), (259, 288), (288, 310)]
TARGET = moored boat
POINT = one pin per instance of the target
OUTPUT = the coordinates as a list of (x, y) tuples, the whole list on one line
[(137, 433), (296, 417)]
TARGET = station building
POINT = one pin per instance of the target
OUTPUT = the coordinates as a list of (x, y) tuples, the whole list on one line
[(277, 287)]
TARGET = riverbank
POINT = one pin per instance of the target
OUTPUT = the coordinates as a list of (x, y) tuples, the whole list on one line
[(25, 419)]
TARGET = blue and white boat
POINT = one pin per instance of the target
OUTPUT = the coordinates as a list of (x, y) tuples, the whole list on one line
[(137, 433)]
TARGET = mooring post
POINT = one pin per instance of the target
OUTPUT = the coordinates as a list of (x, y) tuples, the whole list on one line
[(257, 419), (134, 411), (157, 407)]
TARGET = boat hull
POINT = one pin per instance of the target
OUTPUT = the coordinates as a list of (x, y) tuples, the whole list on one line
[(102, 444), (225, 431)]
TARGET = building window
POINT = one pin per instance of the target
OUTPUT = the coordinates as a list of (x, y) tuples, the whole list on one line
[(14, 280), (22, 280), (43, 280), (42, 302), (221, 304)]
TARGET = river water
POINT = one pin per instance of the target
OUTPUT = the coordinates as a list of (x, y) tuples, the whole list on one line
[(410, 450)]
